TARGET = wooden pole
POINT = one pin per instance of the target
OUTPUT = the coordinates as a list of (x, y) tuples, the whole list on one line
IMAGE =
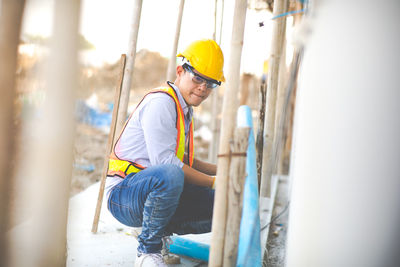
[(244, 88), (130, 63), (212, 150), (229, 108), (215, 20), (280, 101), (260, 129), (278, 35), (110, 144), (221, 22), (10, 26), (171, 73), (237, 176), (283, 122), (49, 154)]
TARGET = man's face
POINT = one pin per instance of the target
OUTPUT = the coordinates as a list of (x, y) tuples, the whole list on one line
[(193, 93)]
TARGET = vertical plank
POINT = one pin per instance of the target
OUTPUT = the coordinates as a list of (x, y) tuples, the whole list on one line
[(237, 176)]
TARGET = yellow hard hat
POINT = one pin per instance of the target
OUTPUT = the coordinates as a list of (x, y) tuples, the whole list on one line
[(206, 57)]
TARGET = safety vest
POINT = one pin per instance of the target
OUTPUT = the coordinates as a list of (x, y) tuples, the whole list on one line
[(121, 167)]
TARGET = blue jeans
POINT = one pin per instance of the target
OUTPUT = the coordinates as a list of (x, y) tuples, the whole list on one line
[(158, 200)]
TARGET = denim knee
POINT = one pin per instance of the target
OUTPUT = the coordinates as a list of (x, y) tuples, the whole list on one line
[(173, 178)]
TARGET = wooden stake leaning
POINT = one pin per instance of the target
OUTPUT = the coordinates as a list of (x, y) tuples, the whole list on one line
[(110, 143), (235, 195)]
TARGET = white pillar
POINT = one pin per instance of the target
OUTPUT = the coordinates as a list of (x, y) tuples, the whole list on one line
[(345, 170), (46, 165), (10, 27)]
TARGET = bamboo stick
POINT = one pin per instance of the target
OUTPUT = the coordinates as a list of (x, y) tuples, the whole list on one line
[(212, 150), (110, 144), (278, 34), (10, 27), (221, 22), (283, 123), (230, 105), (260, 129), (237, 176), (280, 101), (215, 20), (130, 63), (171, 73)]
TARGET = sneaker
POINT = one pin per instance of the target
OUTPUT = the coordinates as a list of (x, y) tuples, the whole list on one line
[(149, 260), (168, 257)]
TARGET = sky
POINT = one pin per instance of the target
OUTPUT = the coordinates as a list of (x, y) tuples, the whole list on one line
[(106, 24)]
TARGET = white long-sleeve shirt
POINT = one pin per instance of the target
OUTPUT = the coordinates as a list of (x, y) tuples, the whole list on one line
[(149, 137)]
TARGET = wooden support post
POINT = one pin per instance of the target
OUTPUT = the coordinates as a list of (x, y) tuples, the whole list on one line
[(130, 63), (260, 129), (221, 21), (237, 176), (283, 122), (229, 108), (48, 158), (244, 88), (212, 149), (280, 100), (278, 31), (171, 73), (110, 144), (10, 26)]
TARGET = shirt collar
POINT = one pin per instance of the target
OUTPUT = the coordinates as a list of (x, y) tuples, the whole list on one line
[(187, 110)]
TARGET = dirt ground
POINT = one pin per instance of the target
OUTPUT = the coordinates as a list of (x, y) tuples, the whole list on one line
[(89, 150)]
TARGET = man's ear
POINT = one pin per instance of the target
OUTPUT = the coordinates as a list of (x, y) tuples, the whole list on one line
[(179, 71)]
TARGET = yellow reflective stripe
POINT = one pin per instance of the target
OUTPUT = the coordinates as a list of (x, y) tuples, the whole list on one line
[(116, 165), (131, 169)]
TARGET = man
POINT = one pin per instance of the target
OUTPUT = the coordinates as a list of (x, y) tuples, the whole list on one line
[(154, 182)]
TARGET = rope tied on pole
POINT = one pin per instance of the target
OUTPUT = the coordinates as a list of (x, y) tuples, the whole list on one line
[(231, 154)]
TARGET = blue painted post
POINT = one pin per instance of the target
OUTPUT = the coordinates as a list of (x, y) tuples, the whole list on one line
[(249, 251)]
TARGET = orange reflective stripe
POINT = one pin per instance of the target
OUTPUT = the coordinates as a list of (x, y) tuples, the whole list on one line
[(180, 124), (190, 149)]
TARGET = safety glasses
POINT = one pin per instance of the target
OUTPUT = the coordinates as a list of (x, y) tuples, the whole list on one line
[(196, 78)]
